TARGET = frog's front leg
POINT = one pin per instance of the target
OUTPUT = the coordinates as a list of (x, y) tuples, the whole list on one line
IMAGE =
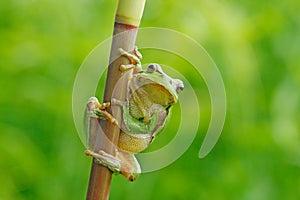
[(134, 59), (95, 109)]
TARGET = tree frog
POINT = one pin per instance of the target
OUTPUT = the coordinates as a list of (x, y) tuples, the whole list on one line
[(151, 94)]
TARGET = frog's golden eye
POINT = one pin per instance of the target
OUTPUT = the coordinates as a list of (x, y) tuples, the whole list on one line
[(151, 68)]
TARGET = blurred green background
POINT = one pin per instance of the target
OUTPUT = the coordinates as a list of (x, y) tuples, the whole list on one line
[(255, 44)]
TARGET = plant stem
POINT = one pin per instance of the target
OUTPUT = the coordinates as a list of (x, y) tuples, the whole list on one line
[(127, 18)]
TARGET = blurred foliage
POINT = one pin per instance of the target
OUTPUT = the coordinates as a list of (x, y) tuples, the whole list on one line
[(256, 46)]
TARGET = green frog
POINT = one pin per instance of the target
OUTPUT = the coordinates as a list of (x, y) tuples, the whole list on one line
[(151, 94)]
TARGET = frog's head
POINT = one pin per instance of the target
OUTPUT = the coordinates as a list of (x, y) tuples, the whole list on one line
[(161, 88)]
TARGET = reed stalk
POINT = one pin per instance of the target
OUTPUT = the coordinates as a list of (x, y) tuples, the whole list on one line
[(127, 20)]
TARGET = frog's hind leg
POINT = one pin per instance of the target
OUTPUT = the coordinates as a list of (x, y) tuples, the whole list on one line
[(95, 109), (102, 158)]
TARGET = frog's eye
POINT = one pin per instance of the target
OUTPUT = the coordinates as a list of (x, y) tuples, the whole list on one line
[(179, 87), (151, 68)]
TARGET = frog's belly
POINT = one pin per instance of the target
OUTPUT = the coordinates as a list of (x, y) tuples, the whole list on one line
[(134, 143)]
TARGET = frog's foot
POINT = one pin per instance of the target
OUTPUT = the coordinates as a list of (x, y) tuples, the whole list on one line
[(95, 109), (134, 59), (105, 159)]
